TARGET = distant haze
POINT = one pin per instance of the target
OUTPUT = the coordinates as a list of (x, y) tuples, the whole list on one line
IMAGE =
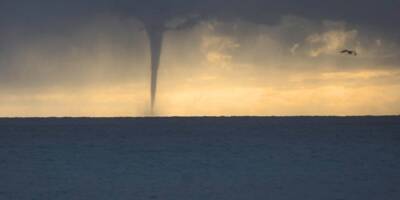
[(93, 57)]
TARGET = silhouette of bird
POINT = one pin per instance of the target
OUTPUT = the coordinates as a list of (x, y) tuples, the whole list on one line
[(350, 52)]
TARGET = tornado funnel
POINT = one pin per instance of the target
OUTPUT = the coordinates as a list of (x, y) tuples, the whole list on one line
[(155, 35)]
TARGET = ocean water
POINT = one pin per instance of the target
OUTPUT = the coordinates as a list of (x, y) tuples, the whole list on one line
[(310, 158)]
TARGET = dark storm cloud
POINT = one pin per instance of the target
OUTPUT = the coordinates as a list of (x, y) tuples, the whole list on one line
[(48, 14), (24, 21)]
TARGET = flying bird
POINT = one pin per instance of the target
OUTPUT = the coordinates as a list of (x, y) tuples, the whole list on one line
[(350, 52)]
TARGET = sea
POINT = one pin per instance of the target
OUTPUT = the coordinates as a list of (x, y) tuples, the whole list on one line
[(200, 158)]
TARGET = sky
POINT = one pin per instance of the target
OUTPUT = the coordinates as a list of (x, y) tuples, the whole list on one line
[(217, 57)]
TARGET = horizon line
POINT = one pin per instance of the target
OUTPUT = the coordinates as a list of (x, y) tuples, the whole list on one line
[(194, 116)]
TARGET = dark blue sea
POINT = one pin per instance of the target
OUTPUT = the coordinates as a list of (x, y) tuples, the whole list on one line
[(221, 158)]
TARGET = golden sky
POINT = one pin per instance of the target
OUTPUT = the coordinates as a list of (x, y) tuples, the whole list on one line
[(216, 68)]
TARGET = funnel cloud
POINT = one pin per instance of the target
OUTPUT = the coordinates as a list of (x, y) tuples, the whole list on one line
[(155, 35)]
